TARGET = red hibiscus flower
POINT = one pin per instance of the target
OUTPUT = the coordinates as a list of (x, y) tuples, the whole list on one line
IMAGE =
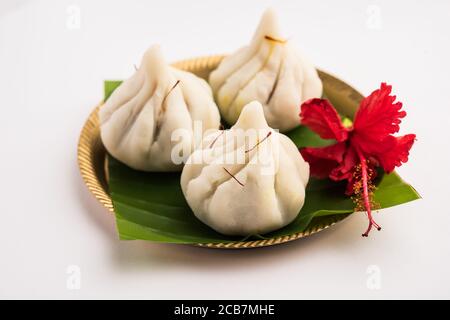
[(359, 149)]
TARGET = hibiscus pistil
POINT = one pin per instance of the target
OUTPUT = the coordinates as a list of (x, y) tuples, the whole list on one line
[(366, 197)]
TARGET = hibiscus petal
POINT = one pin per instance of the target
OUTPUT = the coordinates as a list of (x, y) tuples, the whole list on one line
[(398, 154), (321, 117), (378, 115), (371, 147), (346, 166), (323, 160)]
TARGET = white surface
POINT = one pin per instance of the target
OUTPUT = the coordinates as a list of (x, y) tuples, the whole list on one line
[(51, 77)]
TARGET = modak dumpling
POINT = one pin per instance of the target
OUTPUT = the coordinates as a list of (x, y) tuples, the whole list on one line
[(269, 70), (247, 180), (148, 122)]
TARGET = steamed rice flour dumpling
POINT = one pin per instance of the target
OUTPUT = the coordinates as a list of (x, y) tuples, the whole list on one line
[(269, 70), (247, 180), (139, 119)]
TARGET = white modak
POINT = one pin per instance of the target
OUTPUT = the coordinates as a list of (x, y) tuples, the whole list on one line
[(138, 120), (247, 180), (269, 70)]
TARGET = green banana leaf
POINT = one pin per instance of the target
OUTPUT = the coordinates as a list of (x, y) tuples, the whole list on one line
[(151, 206)]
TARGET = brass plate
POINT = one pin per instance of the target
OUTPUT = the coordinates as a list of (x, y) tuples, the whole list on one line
[(91, 152)]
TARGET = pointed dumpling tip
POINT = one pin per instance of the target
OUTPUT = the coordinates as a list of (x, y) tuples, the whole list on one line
[(269, 15), (268, 25), (153, 60), (252, 116)]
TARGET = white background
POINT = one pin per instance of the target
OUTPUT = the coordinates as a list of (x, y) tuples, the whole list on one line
[(51, 74)]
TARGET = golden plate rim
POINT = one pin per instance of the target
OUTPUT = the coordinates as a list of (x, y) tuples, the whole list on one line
[(91, 152)]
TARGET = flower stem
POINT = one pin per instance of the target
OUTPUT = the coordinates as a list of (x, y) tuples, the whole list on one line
[(367, 205)]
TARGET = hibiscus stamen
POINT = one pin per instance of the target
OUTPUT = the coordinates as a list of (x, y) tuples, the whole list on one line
[(167, 95), (233, 176), (365, 194), (270, 38), (259, 142), (216, 138)]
